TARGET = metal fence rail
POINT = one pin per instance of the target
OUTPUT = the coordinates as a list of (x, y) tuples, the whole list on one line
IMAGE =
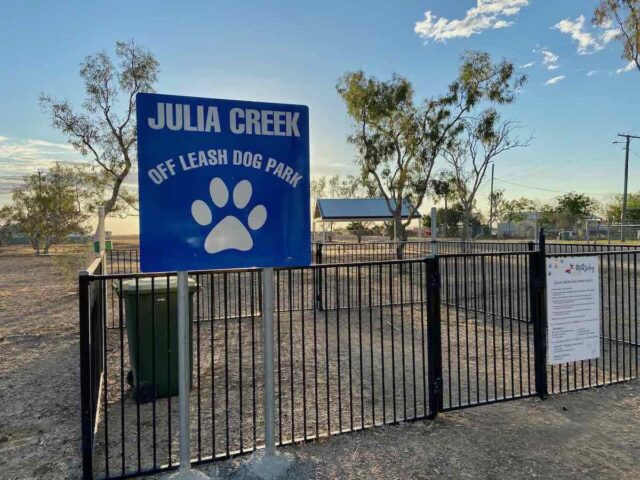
[(357, 344)]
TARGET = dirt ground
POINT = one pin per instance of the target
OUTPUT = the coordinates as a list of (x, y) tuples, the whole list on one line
[(592, 433), (589, 434), (39, 369)]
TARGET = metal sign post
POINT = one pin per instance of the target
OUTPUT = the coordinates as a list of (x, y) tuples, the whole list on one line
[(184, 380), (269, 391)]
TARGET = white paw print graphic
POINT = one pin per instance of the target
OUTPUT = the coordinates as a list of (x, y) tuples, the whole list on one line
[(230, 233)]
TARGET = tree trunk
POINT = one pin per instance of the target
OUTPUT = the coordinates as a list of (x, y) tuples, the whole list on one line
[(400, 236), (446, 220), (467, 224), (35, 244)]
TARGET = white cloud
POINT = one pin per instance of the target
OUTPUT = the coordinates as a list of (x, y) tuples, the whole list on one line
[(19, 157), (33, 149), (591, 72), (588, 42), (549, 59), (487, 14), (609, 35), (528, 65), (630, 66), (554, 80), (502, 24)]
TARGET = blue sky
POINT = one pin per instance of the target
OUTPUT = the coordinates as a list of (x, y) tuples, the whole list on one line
[(293, 51)]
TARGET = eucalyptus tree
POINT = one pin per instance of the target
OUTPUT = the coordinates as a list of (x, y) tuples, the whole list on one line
[(104, 128), (482, 139), (625, 16), (49, 205), (398, 139)]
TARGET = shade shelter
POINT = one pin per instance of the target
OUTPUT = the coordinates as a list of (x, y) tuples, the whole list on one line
[(333, 210)]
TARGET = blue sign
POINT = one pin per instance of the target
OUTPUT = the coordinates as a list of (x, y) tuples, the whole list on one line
[(222, 183)]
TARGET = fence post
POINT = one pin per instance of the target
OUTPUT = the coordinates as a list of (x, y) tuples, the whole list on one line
[(319, 278), (538, 314), (434, 345), (86, 416), (434, 231)]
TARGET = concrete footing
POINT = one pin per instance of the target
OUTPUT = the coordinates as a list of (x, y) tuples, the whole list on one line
[(267, 467)]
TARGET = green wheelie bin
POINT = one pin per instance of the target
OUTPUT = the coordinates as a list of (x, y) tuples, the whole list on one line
[(152, 335)]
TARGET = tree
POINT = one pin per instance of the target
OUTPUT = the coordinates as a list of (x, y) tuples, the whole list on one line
[(397, 140), (566, 210), (98, 131), (336, 186), (452, 217), (442, 188), (318, 186), (358, 229), (48, 206), (482, 139), (576, 204), (614, 210), (625, 14), (514, 210)]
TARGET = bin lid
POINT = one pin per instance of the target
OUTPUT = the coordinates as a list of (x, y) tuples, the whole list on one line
[(159, 285)]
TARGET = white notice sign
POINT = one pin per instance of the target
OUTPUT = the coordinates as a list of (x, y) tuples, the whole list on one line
[(573, 308)]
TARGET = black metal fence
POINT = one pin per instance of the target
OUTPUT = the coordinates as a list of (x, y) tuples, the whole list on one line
[(358, 361), (356, 345), (128, 260)]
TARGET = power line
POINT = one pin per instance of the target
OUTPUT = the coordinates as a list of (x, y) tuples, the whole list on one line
[(548, 189)]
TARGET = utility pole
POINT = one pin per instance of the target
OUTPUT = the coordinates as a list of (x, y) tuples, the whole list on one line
[(623, 214), (491, 203)]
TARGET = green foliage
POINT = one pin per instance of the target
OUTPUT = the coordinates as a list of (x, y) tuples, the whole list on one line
[(576, 204), (358, 229), (625, 15), (49, 206), (336, 186), (515, 210), (614, 211), (564, 212), (443, 186), (398, 139), (104, 130), (452, 218)]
